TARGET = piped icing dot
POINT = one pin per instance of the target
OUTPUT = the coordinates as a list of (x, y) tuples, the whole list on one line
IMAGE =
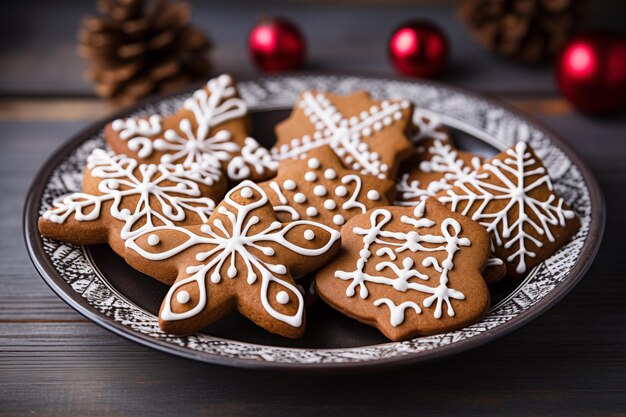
[(330, 204), (282, 297), (311, 211), (309, 234), (289, 185), (310, 176), (299, 198), (319, 190), (330, 174), (341, 191), (153, 240), (246, 192), (338, 219), (314, 163), (183, 297), (373, 195)]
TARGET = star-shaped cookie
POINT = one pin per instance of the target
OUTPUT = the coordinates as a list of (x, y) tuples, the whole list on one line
[(122, 198), (242, 258), (209, 132), (368, 135), (319, 188)]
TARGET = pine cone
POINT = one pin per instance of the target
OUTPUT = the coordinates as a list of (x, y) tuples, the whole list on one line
[(136, 49), (525, 30)]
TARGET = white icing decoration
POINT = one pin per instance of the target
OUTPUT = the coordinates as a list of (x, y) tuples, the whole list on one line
[(246, 192), (338, 219), (479, 191), (153, 240), (282, 297), (319, 190), (310, 176), (493, 261), (330, 204), (341, 191), (373, 195), (289, 185), (118, 181), (330, 174), (299, 198), (427, 124), (393, 244), (344, 135), (225, 241), (183, 297), (311, 211), (445, 160), (252, 155), (314, 163), (140, 130), (309, 234), (396, 312)]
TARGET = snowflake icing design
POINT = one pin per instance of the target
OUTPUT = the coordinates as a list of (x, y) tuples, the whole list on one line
[(446, 160), (224, 243), (344, 135), (392, 245), (494, 183), (193, 145), (176, 195)]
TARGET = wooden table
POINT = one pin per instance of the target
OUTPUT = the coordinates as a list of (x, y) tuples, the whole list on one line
[(572, 361)]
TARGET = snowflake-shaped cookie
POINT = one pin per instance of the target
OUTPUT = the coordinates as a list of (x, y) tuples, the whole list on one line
[(243, 258), (209, 134), (368, 135), (422, 263), (122, 198), (511, 195), (319, 188)]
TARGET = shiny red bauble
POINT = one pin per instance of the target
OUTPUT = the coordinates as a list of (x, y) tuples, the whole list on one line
[(418, 49), (276, 44), (591, 72)]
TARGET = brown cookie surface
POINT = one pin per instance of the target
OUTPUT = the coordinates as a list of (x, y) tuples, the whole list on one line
[(121, 198), (409, 271), (368, 135), (512, 196), (241, 258), (209, 131), (319, 188)]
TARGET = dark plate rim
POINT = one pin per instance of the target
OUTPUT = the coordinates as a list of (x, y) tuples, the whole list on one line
[(34, 245)]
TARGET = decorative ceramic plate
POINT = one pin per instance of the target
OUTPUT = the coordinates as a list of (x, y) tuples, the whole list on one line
[(102, 287)]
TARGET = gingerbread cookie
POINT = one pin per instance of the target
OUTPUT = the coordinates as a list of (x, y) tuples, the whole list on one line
[(435, 167), (210, 132), (368, 135), (409, 271), (319, 188), (511, 195), (122, 198), (242, 258)]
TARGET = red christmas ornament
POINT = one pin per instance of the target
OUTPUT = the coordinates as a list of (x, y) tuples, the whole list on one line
[(419, 49), (591, 72), (276, 44)]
